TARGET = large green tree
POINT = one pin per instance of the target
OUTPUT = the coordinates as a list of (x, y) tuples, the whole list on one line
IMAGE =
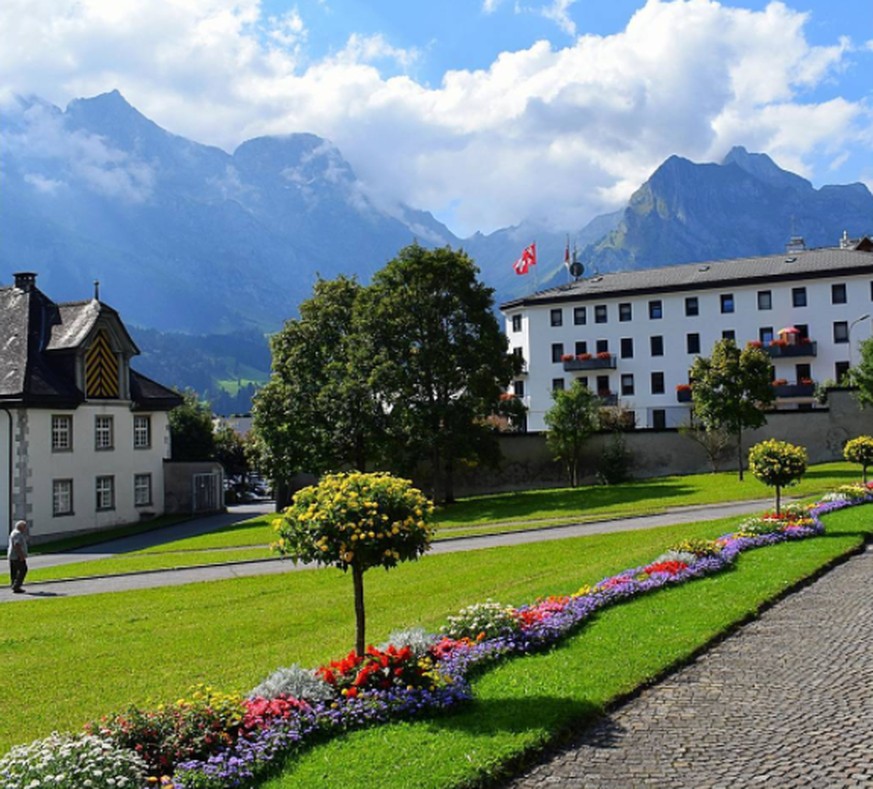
[(732, 390), (318, 412), (439, 358), (191, 431), (572, 418)]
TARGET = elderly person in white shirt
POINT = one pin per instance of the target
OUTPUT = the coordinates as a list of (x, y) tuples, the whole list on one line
[(17, 555)]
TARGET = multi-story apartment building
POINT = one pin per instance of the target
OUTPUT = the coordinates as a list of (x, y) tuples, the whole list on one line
[(632, 336)]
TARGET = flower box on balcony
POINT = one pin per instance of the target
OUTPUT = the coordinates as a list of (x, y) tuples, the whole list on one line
[(794, 390), (683, 393), (587, 362), (781, 350)]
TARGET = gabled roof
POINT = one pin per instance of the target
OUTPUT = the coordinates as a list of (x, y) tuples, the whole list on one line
[(39, 341), (808, 264)]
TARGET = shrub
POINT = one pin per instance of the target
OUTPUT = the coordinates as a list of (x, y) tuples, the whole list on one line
[(614, 464), (192, 728), (777, 464), (375, 670), (698, 548), (860, 450), (67, 761), (416, 638), (482, 620), (296, 682)]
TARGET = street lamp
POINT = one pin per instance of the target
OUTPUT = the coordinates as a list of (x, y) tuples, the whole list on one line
[(849, 334)]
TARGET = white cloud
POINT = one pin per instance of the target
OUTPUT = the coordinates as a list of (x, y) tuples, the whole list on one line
[(555, 132)]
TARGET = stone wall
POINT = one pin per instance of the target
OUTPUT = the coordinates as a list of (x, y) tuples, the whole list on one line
[(527, 462)]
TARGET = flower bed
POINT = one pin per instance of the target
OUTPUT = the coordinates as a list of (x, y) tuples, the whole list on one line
[(215, 740)]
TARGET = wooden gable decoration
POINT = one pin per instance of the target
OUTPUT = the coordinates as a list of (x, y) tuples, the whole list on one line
[(101, 368)]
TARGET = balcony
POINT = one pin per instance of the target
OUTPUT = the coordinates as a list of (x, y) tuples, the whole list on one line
[(607, 398), (683, 394), (588, 362), (778, 350), (786, 391)]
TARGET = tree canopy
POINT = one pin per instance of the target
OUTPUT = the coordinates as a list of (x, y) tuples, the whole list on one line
[(191, 429), (732, 389), (571, 419), (861, 375)]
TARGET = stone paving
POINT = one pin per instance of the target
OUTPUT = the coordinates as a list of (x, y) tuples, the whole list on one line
[(785, 702)]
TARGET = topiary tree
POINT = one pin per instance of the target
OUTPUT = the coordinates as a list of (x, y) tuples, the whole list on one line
[(860, 450), (356, 521), (777, 464), (571, 419)]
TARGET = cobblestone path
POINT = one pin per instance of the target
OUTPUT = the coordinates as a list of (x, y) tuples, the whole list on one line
[(785, 702)]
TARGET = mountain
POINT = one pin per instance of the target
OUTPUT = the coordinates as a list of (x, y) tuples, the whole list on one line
[(742, 207), (185, 236)]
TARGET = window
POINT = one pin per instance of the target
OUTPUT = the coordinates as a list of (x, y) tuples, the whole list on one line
[(142, 431), (62, 497), (657, 345), (802, 331), (603, 389), (659, 419), (602, 346), (727, 302), (583, 381), (692, 343), (600, 313), (802, 372), (838, 293), (627, 384), (627, 348), (557, 384), (518, 388), (105, 493), (581, 347), (580, 316), (692, 306), (557, 352), (798, 297), (625, 312), (729, 334), (103, 432), (62, 433), (557, 317), (841, 369), (657, 383), (516, 322), (765, 300), (765, 335), (841, 331), (142, 490), (656, 310)]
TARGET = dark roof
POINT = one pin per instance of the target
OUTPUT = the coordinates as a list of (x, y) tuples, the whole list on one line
[(808, 264), (149, 395), (38, 344)]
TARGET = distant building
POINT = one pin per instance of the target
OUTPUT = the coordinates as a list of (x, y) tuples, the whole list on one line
[(83, 436), (632, 336)]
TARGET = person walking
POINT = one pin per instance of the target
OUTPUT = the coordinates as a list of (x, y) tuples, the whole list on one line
[(17, 555)]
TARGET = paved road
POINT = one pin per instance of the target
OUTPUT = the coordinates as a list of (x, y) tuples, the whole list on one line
[(268, 566), (786, 702)]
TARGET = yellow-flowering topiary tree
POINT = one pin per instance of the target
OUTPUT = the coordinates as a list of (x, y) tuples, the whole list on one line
[(356, 521), (777, 464), (860, 450)]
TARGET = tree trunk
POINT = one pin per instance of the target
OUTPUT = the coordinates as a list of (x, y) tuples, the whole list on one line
[(360, 619), (778, 501), (450, 481), (740, 453)]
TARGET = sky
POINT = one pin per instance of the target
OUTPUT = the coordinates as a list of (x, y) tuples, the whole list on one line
[(488, 113)]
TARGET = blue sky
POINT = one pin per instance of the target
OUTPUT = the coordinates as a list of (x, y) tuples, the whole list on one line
[(489, 113)]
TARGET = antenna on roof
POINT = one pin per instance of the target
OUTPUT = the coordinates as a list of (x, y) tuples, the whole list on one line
[(96, 290)]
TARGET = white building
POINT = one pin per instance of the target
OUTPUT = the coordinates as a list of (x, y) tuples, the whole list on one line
[(632, 336), (83, 437)]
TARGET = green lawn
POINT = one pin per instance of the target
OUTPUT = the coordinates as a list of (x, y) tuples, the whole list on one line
[(85, 656), (249, 540)]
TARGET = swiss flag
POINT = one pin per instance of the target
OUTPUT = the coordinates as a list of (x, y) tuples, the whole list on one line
[(528, 258)]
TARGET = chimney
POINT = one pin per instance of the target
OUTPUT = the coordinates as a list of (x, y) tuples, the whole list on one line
[(25, 280)]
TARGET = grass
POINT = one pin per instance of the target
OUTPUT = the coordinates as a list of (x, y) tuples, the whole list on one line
[(249, 540), (85, 656)]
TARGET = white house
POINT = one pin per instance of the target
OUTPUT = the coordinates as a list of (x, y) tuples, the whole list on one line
[(83, 437), (632, 336)]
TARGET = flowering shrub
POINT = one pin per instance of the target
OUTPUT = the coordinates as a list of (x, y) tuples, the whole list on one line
[(683, 387), (294, 681), (584, 357), (567, 357), (191, 728), (860, 450), (68, 761), (779, 381), (604, 355), (698, 548), (482, 620), (417, 639), (670, 567), (754, 344), (375, 670), (853, 494), (263, 713), (777, 464), (356, 521)]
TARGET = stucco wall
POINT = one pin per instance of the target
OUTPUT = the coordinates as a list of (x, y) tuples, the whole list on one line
[(527, 462)]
